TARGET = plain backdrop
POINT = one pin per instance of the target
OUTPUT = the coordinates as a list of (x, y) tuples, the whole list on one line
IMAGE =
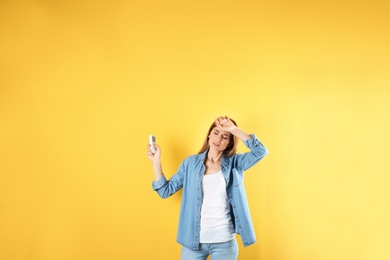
[(83, 83)]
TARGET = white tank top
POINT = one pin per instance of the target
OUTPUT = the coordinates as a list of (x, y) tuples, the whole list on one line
[(215, 222)]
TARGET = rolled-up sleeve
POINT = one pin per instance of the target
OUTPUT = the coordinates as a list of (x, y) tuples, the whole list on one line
[(166, 188), (158, 184), (255, 145), (257, 152)]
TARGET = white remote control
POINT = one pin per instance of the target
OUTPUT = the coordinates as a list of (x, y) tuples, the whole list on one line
[(152, 141)]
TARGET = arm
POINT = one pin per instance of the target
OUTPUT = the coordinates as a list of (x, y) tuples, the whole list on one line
[(257, 149), (240, 134), (160, 184), (257, 152)]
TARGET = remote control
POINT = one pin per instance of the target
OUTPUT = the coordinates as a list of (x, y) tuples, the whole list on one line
[(152, 141)]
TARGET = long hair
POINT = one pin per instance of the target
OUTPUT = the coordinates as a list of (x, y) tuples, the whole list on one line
[(231, 148)]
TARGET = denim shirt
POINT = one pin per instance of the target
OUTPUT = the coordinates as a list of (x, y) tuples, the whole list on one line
[(189, 177)]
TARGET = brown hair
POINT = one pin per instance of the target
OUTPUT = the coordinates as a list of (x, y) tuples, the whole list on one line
[(231, 148)]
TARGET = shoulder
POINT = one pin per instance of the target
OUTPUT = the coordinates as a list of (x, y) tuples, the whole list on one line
[(193, 158)]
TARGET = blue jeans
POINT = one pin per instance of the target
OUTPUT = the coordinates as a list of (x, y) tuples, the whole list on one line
[(217, 251)]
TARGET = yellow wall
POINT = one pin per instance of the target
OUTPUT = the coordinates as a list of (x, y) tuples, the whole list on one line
[(83, 84)]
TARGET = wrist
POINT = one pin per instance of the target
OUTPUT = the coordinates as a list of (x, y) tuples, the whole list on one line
[(234, 130), (156, 162)]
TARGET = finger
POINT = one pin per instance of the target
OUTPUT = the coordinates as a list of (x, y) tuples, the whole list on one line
[(222, 121), (149, 150), (219, 127)]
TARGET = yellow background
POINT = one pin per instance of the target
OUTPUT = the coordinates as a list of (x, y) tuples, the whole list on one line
[(83, 84)]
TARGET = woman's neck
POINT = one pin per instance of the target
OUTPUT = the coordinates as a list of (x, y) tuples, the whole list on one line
[(213, 162), (214, 157)]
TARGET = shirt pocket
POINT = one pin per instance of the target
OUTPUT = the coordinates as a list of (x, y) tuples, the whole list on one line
[(238, 177)]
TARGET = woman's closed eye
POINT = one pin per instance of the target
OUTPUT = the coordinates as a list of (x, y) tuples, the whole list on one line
[(226, 137)]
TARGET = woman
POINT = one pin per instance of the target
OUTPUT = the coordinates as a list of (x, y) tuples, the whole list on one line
[(214, 205)]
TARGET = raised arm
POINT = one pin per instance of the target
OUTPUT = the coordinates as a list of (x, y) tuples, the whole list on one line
[(227, 125), (257, 149), (156, 162), (161, 185)]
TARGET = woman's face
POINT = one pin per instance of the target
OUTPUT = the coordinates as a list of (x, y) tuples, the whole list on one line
[(218, 139)]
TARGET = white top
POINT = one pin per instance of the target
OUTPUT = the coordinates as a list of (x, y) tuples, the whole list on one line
[(215, 222)]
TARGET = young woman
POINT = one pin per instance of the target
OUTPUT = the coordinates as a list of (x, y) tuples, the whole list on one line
[(214, 205)]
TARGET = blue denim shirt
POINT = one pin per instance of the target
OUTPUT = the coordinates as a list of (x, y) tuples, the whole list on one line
[(189, 177)]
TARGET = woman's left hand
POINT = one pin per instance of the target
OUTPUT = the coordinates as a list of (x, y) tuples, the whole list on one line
[(225, 123)]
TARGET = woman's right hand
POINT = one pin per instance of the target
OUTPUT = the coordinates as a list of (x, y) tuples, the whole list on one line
[(156, 156)]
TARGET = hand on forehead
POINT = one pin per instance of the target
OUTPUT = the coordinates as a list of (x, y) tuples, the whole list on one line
[(220, 129)]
